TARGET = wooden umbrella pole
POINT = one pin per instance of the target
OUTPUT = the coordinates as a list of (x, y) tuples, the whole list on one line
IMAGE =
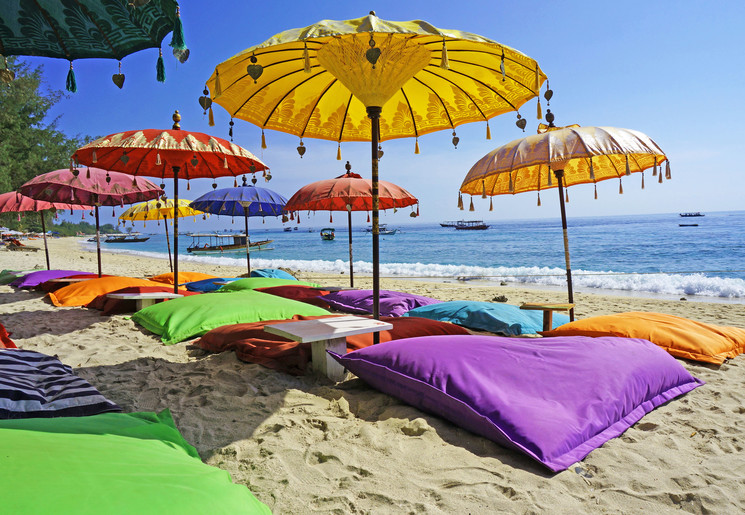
[(168, 242), (373, 112), (248, 243), (44, 234), (175, 230), (351, 267), (560, 181), (98, 241)]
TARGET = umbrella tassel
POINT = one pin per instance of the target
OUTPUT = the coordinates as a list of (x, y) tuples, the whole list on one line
[(628, 170), (668, 176), (225, 163), (416, 146), (471, 208), (539, 199), (654, 169), (444, 63), (230, 131), (483, 188), (488, 131), (417, 210), (158, 162), (306, 58), (235, 182), (134, 180), (331, 217), (88, 173), (642, 180), (460, 201), (177, 39), (211, 118), (188, 185), (71, 84), (592, 171), (94, 157), (511, 185), (113, 212), (620, 186), (596, 191), (338, 152), (19, 217), (491, 204), (566, 195), (501, 66), (539, 110), (160, 67), (659, 177), (368, 217), (263, 139)]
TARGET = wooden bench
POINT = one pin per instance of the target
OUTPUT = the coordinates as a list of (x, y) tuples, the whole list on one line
[(548, 310), (143, 300), (327, 334)]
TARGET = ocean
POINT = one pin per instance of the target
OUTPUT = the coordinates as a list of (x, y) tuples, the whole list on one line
[(637, 254)]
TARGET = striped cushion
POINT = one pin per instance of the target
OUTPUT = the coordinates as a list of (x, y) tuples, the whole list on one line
[(36, 385)]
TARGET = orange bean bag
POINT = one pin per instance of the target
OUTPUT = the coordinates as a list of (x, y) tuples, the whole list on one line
[(80, 294), (183, 277), (5, 341), (681, 337)]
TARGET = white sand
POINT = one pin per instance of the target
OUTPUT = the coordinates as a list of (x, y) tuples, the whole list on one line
[(305, 445)]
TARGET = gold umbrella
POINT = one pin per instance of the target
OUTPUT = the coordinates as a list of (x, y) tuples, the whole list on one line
[(372, 79), (160, 209), (562, 157)]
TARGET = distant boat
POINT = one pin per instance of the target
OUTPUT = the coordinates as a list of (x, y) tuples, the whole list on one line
[(288, 229), (327, 234), (294, 228), (213, 243), (471, 225), (696, 213), (124, 238), (383, 229), (448, 224), (687, 225)]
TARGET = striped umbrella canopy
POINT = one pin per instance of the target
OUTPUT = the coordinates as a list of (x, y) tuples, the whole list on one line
[(14, 202), (349, 192), (246, 201)]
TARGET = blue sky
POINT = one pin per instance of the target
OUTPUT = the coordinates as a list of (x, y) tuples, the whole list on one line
[(671, 69)]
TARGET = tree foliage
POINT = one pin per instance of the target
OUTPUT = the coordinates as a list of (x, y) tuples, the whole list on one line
[(30, 143)]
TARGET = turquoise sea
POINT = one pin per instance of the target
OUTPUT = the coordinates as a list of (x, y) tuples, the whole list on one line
[(639, 253)]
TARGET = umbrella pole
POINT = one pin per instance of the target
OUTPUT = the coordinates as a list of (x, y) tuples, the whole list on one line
[(168, 242), (560, 181), (248, 243), (44, 233), (373, 112), (351, 268), (175, 230), (98, 242)]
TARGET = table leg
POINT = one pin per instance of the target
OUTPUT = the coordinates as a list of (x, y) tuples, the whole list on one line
[(547, 319), (143, 303), (323, 363)]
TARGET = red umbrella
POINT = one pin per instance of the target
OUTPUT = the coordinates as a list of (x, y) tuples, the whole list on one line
[(349, 192), (92, 187), (170, 153), (13, 202)]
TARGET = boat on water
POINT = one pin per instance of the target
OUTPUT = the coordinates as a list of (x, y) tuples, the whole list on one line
[(687, 225), (471, 225), (695, 213), (133, 237), (452, 223), (327, 234), (287, 229), (213, 243), (383, 229)]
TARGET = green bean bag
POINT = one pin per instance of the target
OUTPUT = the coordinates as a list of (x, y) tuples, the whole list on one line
[(188, 317), (111, 463), (251, 283)]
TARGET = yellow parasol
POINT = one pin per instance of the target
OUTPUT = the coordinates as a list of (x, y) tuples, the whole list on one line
[(372, 79), (160, 209), (563, 157)]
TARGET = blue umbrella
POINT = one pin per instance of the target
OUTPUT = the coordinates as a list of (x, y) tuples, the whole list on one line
[(245, 201)]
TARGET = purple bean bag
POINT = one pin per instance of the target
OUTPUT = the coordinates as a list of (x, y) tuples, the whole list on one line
[(392, 303), (42, 276), (553, 399)]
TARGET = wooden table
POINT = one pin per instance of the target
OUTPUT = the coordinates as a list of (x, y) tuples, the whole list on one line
[(328, 334), (143, 300), (548, 310)]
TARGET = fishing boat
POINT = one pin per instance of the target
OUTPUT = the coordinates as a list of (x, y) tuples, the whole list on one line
[(687, 225), (287, 229), (452, 223), (696, 213), (133, 237), (327, 233), (471, 225), (214, 243), (383, 229)]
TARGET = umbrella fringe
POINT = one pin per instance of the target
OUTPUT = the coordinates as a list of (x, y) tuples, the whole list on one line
[(483, 188), (460, 201), (654, 169), (628, 170), (592, 170)]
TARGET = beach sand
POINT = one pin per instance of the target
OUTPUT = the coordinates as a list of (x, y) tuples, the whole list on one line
[(305, 445)]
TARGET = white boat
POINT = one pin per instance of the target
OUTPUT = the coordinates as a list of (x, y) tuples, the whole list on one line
[(213, 243)]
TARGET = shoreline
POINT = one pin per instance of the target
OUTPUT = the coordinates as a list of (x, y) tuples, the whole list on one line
[(303, 444)]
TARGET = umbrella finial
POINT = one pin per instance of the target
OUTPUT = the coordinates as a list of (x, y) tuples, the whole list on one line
[(176, 119), (550, 118), (348, 167)]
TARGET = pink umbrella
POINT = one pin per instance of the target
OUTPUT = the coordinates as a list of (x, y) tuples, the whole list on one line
[(92, 187), (13, 202)]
